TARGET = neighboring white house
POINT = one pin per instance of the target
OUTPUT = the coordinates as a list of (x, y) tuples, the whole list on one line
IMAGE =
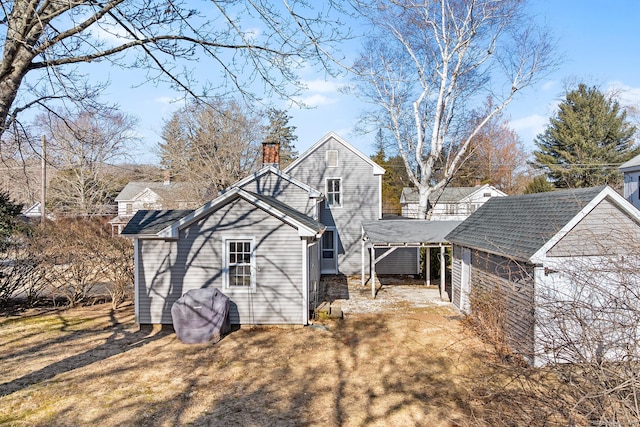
[(139, 195), (631, 171), (451, 204)]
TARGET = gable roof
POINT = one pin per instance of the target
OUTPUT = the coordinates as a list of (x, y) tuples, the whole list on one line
[(148, 223), (519, 226), (276, 171), (631, 165), (447, 195), (377, 169), (135, 188), (167, 224)]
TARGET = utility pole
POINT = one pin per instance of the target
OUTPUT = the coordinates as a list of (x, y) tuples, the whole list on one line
[(43, 188)]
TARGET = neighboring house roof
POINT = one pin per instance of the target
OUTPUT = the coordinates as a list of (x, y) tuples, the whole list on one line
[(631, 165), (447, 195), (377, 169), (148, 223), (167, 224), (135, 188), (520, 226), (276, 171), (408, 232)]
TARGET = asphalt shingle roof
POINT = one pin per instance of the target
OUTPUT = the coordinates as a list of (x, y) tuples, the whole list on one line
[(151, 222), (448, 195), (134, 188), (517, 226), (397, 232), (291, 212)]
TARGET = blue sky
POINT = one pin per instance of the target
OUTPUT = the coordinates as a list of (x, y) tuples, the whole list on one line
[(598, 42)]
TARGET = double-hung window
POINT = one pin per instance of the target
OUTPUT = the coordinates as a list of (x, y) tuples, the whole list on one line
[(239, 263), (334, 195)]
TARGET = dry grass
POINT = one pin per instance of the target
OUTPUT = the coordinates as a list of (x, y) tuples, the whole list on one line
[(91, 365)]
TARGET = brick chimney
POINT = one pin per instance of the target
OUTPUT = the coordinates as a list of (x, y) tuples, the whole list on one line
[(271, 154)]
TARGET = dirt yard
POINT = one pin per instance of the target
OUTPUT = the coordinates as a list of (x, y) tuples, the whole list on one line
[(388, 362)]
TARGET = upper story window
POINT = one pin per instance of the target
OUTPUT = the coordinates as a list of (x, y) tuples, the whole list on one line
[(332, 158), (239, 263), (486, 195), (334, 195), (128, 208), (451, 208)]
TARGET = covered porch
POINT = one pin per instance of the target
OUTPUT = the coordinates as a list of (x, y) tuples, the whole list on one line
[(406, 233)]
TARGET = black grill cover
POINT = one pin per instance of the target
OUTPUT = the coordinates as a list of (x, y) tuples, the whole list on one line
[(201, 315)]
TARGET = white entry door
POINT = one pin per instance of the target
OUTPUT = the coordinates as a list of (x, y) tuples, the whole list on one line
[(329, 252)]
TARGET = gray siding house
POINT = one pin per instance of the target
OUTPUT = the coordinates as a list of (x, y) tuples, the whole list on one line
[(258, 251), (538, 255), (352, 185), (264, 241)]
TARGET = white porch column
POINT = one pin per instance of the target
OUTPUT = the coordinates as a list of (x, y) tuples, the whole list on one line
[(373, 272), (428, 267), (443, 273), (305, 282), (362, 260)]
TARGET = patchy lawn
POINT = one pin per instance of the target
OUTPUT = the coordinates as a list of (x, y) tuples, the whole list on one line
[(408, 366)]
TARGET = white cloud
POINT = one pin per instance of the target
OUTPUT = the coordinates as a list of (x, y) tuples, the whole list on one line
[(549, 85), (323, 86), (627, 95), (318, 100), (165, 100), (529, 127)]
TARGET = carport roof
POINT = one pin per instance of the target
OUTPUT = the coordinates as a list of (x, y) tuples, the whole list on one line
[(408, 232)]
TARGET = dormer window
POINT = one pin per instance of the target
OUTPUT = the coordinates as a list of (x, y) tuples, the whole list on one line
[(332, 158)]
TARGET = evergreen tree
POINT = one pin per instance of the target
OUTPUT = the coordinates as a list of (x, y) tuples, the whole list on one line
[(9, 222), (539, 184), (394, 179), (586, 141), (279, 131)]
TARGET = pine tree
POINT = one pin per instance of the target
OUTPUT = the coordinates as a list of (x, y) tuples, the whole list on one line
[(586, 141), (279, 131)]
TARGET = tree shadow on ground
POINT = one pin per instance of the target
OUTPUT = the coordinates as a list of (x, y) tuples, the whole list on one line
[(120, 340)]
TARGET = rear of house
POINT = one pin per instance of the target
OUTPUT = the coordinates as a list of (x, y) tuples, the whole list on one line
[(352, 186), (256, 251)]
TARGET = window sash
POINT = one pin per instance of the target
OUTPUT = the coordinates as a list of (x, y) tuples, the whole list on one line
[(334, 192), (239, 260)]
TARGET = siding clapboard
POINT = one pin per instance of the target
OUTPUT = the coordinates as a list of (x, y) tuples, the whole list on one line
[(360, 195), (400, 261), (168, 269), (606, 230), (512, 284)]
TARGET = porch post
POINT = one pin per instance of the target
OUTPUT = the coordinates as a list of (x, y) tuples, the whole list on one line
[(362, 260), (373, 272), (443, 273), (428, 267)]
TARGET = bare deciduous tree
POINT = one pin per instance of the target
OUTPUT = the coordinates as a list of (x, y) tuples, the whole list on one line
[(428, 64), (80, 147), (245, 46), (495, 156)]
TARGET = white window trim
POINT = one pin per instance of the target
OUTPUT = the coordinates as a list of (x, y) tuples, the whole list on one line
[(326, 189), (225, 265)]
